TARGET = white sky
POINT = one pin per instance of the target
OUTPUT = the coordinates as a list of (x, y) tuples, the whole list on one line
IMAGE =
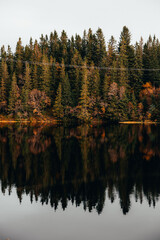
[(19, 18)]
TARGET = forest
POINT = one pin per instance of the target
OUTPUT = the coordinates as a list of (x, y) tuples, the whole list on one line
[(81, 79)]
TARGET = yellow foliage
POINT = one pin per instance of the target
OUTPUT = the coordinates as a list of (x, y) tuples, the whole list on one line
[(35, 111), (147, 85), (103, 109)]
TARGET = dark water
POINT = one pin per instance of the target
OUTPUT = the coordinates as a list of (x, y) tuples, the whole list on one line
[(80, 182)]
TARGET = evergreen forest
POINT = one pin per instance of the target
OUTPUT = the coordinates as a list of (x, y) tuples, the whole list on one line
[(81, 78)]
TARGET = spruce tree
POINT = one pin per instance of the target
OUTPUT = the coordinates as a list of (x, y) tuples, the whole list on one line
[(63, 47), (14, 95), (46, 76), (3, 99), (58, 109), (106, 87), (84, 97), (26, 88), (93, 82), (123, 64), (137, 79), (100, 47), (10, 62), (54, 45), (66, 92), (34, 82), (19, 54), (75, 76), (5, 77)]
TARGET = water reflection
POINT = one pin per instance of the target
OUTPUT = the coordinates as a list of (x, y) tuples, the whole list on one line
[(56, 165)]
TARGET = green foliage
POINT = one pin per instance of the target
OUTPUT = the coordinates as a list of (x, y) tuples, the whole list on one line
[(84, 98), (14, 96), (58, 109), (66, 92), (91, 81), (26, 88), (46, 76)]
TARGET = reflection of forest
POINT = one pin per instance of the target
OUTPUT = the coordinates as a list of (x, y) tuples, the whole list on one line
[(57, 165)]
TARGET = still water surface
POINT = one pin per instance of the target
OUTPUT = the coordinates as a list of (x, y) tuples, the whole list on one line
[(80, 182)]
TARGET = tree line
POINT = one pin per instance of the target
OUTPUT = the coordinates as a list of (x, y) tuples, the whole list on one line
[(81, 78)]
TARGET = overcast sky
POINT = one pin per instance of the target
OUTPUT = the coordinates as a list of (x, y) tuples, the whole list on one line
[(19, 18)]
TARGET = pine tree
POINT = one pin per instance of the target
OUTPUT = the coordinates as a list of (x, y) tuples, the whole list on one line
[(137, 79), (123, 64), (106, 87), (78, 44), (123, 107), (90, 56), (10, 63), (100, 47), (3, 53), (2, 91), (63, 47), (70, 49), (5, 77), (35, 83), (14, 95), (3, 99), (58, 109), (84, 45), (19, 54), (75, 76), (54, 45), (93, 82), (26, 88), (84, 98), (125, 48), (46, 76), (66, 92)]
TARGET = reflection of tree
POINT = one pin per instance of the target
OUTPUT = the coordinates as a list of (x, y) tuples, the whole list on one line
[(57, 164)]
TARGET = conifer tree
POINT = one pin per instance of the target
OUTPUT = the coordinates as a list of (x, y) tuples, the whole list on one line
[(70, 49), (2, 91), (54, 45), (10, 63), (58, 109), (26, 88), (84, 97), (75, 76), (90, 56), (137, 79), (93, 82), (66, 92), (84, 45), (106, 87), (19, 58), (14, 95), (78, 44), (62, 71), (125, 39), (53, 77), (3, 53), (5, 76), (100, 47), (3, 98), (34, 82), (123, 64), (46, 76), (63, 47)]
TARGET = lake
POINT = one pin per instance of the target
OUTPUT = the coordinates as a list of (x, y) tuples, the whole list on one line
[(81, 182)]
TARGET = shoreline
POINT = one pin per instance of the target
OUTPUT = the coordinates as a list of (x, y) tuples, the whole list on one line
[(138, 122), (54, 121)]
